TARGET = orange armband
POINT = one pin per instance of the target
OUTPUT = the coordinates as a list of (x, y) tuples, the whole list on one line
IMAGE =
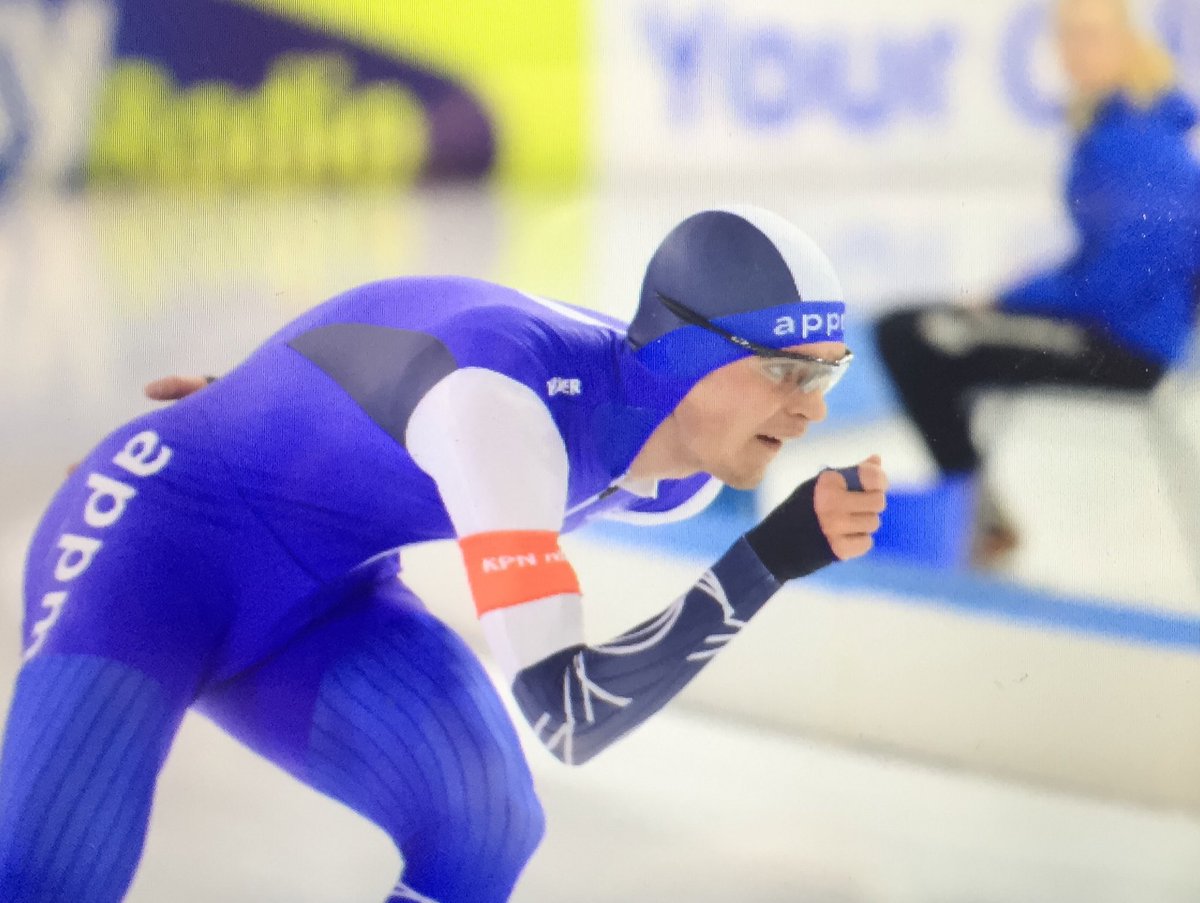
[(510, 567)]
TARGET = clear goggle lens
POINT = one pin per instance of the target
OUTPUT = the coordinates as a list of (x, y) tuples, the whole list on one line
[(804, 375)]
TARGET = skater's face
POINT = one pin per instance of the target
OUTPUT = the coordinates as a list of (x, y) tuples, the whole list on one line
[(734, 421), (1095, 44)]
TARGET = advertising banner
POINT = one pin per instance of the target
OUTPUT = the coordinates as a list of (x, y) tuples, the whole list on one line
[(53, 57), (260, 92), (335, 92), (938, 90)]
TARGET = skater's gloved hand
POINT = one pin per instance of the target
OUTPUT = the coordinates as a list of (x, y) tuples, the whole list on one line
[(826, 519), (173, 388)]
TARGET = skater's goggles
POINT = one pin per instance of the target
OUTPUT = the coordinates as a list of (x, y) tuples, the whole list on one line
[(802, 372)]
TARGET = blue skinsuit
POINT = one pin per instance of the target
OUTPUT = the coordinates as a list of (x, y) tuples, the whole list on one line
[(237, 552), (253, 574), (1133, 194)]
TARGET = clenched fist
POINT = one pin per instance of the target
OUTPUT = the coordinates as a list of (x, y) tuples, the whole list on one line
[(823, 521), (849, 518)]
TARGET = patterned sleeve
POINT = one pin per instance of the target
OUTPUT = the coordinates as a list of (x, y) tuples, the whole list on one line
[(500, 464)]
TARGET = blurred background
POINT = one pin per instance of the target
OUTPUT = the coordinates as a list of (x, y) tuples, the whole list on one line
[(180, 177)]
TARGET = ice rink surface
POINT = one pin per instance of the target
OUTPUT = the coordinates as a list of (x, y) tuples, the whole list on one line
[(813, 795)]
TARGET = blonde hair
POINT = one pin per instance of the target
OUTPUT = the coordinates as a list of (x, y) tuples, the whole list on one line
[(1149, 74)]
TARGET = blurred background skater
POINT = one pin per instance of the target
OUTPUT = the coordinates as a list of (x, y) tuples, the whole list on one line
[(1115, 315)]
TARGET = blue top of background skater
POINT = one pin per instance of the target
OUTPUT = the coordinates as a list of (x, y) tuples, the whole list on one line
[(1133, 194)]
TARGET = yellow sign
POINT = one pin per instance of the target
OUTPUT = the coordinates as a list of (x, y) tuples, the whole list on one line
[(344, 91), (527, 59)]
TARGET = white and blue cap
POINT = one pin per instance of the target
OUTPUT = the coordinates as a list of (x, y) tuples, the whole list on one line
[(742, 269), (746, 270)]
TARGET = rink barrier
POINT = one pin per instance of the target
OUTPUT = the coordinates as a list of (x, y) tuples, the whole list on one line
[(960, 592)]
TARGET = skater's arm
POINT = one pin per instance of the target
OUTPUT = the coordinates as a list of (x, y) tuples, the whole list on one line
[(500, 464), (583, 698)]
